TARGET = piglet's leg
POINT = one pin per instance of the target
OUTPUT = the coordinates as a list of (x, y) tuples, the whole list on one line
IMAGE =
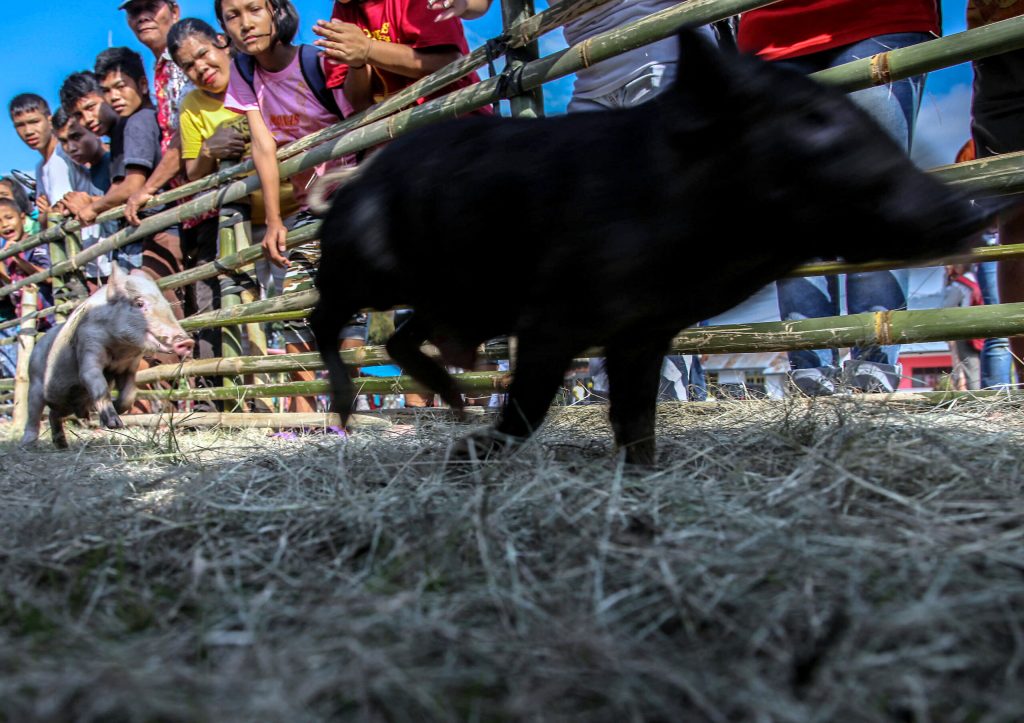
[(634, 371), (57, 430), (404, 348), (125, 385), (90, 367), (540, 371), (35, 412)]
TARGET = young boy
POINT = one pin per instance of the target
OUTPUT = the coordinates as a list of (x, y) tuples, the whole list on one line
[(115, 102), (30, 115), (90, 178), (26, 263)]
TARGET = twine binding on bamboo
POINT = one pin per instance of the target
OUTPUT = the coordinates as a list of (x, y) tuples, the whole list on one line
[(881, 74), (883, 328), (583, 50)]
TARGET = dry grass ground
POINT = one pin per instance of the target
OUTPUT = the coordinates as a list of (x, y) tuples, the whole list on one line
[(785, 562)]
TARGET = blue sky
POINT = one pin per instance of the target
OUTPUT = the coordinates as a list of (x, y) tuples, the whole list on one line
[(44, 42)]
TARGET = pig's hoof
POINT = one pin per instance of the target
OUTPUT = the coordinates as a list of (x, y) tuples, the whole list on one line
[(110, 420), (482, 445)]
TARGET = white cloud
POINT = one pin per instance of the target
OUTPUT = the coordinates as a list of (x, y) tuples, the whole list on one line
[(943, 126)]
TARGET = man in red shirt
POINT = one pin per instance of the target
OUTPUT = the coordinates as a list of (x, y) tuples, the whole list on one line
[(392, 43), (811, 35), (997, 126)]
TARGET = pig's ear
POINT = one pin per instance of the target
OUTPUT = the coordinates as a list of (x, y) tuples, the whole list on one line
[(705, 72), (115, 284)]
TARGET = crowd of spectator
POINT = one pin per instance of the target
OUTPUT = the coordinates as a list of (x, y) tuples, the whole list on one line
[(247, 87)]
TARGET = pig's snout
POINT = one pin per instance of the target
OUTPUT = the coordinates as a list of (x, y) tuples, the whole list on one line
[(183, 346)]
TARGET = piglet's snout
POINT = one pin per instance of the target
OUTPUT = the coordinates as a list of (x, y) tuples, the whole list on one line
[(183, 346)]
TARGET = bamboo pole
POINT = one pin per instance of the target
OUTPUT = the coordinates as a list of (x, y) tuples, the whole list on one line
[(469, 382), (253, 420), (58, 254), (231, 340), (26, 342), (308, 361), (242, 313), (7, 385), (1001, 37), (253, 330), (888, 327), (882, 328), (531, 103)]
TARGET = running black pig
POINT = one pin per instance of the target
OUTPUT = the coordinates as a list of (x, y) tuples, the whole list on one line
[(616, 229), (74, 365)]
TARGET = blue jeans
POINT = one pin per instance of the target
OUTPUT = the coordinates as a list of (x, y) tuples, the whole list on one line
[(894, 107), (8, 353), (995, 356)]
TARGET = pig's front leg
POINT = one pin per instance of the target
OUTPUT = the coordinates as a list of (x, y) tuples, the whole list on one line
[(404, 348), (634, 372), (91, 361)]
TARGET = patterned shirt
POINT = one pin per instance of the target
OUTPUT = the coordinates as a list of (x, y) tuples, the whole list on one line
[(983, 12), (171, 85)]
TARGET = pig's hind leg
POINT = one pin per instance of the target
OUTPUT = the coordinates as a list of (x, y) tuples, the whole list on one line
[(326, 324), (36, 402), (634, 372), (404, 348), (57, 429), (125, 386), (541, 364)]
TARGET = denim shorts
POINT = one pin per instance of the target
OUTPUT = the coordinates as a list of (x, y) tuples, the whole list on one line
[(303, 262)]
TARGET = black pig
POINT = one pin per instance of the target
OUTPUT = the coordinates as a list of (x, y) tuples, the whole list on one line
[(616, 229)]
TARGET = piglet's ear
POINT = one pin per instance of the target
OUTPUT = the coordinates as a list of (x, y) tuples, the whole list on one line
[(704, 70), (115, 284)]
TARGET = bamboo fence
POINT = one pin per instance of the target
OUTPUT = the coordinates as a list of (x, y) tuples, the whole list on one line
[(521, 84)]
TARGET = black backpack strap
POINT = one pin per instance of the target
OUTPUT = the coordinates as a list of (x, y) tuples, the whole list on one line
[(313, 72), (246, 67)]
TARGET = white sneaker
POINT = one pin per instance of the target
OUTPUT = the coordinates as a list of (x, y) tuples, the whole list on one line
[(816, 381), (869, 376)]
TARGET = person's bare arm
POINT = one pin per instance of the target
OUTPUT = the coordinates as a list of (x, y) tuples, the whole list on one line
[(357, 87), (225, 144), (465, 9), (264, 156), (168, 168), (119, 192), (347, 43)]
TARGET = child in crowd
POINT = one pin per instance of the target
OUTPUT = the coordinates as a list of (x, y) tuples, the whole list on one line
[(24, 263), (10, 188), (389, 44), (272, 84), (90, 176), (30, 115)]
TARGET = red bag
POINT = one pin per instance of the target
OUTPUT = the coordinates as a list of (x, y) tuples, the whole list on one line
[(976, 300)]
